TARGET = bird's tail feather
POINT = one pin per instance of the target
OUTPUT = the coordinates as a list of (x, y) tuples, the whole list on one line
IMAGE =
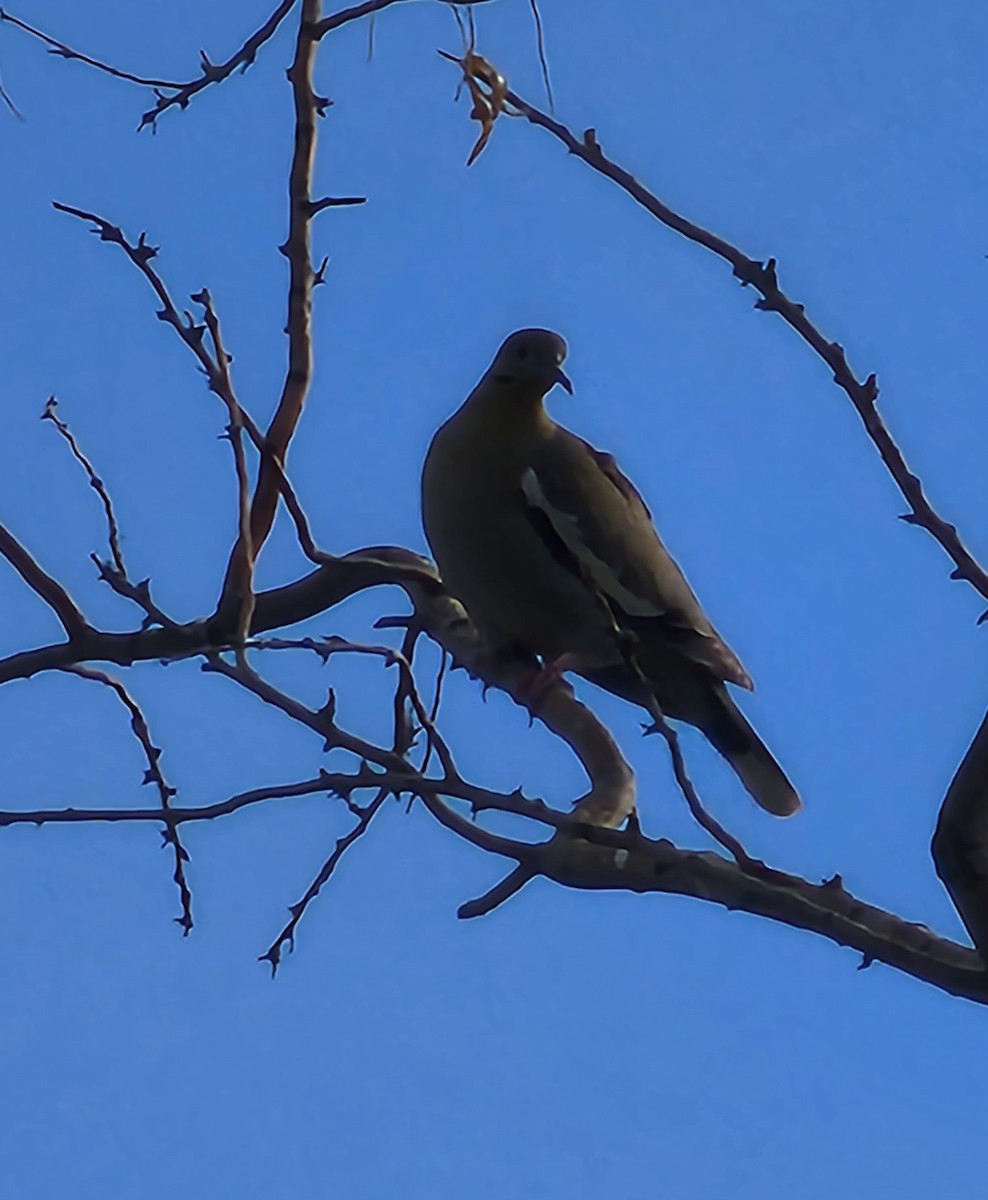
[(722, 722), (732, 735)]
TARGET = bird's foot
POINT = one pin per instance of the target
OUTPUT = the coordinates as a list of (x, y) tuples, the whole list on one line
[(545, 678)]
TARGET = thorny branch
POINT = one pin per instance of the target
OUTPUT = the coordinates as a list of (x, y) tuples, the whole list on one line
[(699, 813), (236, 604), (297, 249), (63, 51), (153, 774), (287, 935), (763, 277), (97, 484), (113, 573), (212, 72), (587, 848), (401, 744)]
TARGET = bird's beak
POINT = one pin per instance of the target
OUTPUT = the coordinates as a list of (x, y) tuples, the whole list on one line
[(562, 379)]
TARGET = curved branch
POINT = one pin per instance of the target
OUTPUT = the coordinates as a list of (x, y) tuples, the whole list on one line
[(48, 588), (354, 13), (611, 798), (825, 909), (302, 277), (217, 72), (863, 394), (153, 774), (274, 609), (63, 51)]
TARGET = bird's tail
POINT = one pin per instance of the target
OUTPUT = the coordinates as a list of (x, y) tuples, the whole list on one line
[(730, 733)]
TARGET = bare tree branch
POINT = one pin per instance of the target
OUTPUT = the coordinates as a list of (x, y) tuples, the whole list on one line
[(587, 848), (703, 818), (97, 484), (217, 72), (153, 774), (326, 783), (763, 277), (274, 609), (298, 250), (113, 573), (49, 589), (236, 603), (497, 895), (354, 13), (63, 51), (287, 935)]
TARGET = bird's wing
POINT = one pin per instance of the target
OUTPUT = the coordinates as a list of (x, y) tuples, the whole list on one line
[(599, 516)]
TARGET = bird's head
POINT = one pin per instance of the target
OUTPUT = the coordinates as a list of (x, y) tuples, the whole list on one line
[(531, 360)]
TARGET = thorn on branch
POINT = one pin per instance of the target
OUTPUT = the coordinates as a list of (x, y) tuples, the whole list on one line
[(316, 206), (142, 251), (328, 710)]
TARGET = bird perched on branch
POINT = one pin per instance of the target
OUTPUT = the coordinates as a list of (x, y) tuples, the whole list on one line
[(553, 553)]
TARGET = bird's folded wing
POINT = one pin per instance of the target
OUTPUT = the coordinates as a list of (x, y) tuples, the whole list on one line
[(602, 521)]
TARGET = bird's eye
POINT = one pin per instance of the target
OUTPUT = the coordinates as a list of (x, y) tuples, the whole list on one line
[(523, 352)]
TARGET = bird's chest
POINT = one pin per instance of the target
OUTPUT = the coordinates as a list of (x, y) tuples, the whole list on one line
[(492, 557)]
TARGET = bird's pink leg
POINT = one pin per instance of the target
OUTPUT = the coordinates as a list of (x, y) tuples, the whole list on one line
[(547, 677)]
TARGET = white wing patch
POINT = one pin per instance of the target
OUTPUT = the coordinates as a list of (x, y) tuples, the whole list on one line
[(567, 528)]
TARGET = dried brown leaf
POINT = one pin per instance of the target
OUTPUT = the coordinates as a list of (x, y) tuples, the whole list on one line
[(488, 90)]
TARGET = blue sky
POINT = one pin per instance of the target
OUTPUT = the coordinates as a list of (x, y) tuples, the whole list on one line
[(570, 1045)]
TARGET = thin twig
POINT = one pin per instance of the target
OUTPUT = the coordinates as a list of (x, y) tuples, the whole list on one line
[(400, 745), (140, 254), (764, 278), (693, 801), (543, 61), (320, 721), (354, 13), (404, 731), (436, 701), (63, 51), (49, 589), (236, 603), (287, 935), (7, 99), (338, 784), (139, 593), (153, 774), (113, 573), (97, 484), (217, 72), (326, 647)]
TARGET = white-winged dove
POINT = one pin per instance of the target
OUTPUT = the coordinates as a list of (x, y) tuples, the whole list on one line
[(553, 553)]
